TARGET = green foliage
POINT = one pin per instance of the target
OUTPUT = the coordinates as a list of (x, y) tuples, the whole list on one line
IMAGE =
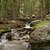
[(14, 8)]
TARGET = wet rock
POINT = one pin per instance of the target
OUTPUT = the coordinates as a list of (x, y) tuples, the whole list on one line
[(9, 36), (25, 38)]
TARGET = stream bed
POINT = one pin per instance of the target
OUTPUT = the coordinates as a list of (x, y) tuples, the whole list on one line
[(15, 40)]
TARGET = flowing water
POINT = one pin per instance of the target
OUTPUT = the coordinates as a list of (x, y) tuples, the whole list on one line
[(27, 26), (15, 44)]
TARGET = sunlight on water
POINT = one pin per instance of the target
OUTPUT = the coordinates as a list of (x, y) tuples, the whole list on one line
[(27, 26)]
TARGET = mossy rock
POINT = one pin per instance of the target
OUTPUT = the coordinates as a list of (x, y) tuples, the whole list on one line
[(40, 24), (4, 30)]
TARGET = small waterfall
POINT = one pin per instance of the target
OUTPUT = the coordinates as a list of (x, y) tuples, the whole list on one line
[(4, 36), (3, 39), (15, 45), (27, 26)]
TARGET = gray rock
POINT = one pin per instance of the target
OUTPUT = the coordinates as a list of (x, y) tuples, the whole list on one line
[(40, 38), (15, 45), (40, 35)]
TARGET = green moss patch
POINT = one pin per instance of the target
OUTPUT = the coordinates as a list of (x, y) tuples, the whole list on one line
[(40, 24)]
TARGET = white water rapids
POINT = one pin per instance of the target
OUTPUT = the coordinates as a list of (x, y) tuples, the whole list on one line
[(14, 45)]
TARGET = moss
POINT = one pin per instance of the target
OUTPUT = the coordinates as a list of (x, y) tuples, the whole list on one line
[(4, 28), (40, 24)]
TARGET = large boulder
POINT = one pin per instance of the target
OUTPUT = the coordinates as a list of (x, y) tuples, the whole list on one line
[(14, 45), (40, 38)]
